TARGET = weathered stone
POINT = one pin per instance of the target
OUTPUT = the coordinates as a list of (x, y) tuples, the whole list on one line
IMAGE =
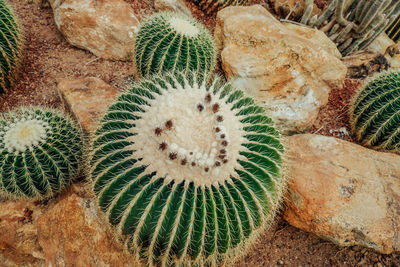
[(380, 44), (344, 192), (286, 73), (86, 99), (392, 54), (364, 64), (172, 5), (317, 37), (105, 28), (294, 7)]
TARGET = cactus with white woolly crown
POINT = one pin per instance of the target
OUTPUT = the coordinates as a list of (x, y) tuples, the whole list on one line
[(375, 113), (40, 153), (187, 174), (10, 46), (173, 42)]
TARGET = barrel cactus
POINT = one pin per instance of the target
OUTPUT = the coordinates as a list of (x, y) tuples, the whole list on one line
[(187, 173), (40, 153), (212, 6), (394, 30), (173, 42), (10, 46), (375, 116)]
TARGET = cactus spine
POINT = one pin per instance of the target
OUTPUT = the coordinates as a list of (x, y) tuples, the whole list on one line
[(173, 42), (188, 174), (10, 46), (215, 5), (375, 113), (40, 153), (394, 30)]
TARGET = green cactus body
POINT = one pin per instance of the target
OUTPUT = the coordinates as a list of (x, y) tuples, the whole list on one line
[(173, 42), (187, 174), (212, 6), (40, 153), (10, 46), (375, 113)]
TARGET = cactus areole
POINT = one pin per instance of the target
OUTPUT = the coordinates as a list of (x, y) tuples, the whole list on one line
[(40, 153), (187, 174)]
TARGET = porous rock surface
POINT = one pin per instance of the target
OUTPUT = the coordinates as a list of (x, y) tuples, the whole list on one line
[(343, 192), (67, 231), (289, 75), (105, 28), (86, 99)]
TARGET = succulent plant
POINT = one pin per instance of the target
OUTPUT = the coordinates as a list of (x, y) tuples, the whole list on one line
[(394, 30), (40, 153), (215, 5), (173, 42), (353, 24), (10, 46), (187, 173), (375, 113)]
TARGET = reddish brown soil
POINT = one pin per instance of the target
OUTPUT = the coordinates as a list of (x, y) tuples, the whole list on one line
[(48, 58)]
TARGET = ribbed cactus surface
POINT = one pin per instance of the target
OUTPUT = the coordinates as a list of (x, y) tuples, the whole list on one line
[(188, 174), (40, 153), (375, 114), (10, 46), (394, 30), (210, 6), (173, 42)]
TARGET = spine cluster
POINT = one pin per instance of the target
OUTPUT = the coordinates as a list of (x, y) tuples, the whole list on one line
[(375, 116)]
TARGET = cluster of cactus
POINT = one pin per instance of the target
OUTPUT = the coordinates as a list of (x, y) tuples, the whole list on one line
[(187, 173), (173, 42), (394, 30), (10, 46), (215, 5), (352, 25), (375, 113), (40, 153)]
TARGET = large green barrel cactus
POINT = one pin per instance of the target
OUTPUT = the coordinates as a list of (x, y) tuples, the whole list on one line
[(187, 174), (375, 113), (40, 153), (10, 46), (215, 5), (173, 42)]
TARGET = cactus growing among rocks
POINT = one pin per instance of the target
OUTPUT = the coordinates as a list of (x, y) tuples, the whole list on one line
[(215, 5), (40, 153), (10, 46), (375, 116), (188, 174), (173, 42)]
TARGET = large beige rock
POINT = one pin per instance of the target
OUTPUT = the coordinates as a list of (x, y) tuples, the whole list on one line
[(364, 64), (66, 231), (287, 74), (380, 44), (86, 99), (105, 28), (392, 54), (344, 192)]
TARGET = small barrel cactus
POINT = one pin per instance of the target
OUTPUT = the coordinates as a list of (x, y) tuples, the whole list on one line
[(375, 113), (10, 46), (187, 174), (40, 153), (173, 42), (215, 5)]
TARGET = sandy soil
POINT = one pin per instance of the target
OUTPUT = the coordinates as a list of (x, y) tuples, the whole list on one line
[(48, 58)]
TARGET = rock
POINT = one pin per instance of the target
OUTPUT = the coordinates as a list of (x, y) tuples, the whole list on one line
[(87, 99), (286, 73), (105, 28), (364, 64), (392, 54), (317, 37), (172, 5), (343, 192), (65, 231), (380, 44), (71, 233), (283, 7)]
